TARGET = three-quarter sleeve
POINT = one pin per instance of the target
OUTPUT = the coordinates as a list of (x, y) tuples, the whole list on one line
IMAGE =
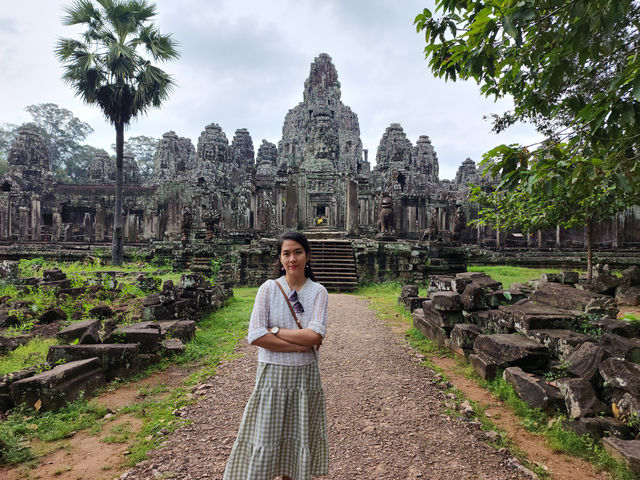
[(318, 321), (260, 315)]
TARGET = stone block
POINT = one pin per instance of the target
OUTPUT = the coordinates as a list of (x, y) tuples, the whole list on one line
[(485, 367), (585, 361), (458, 284), (148, 339), (429, 329), (172, 346), (6, 403), (528, 315), (534, 390), (569, 278), (510, 350), (53, 388), (116, 360), (52, 315), (411, 303), (191, 281), (598, 427), (439, 283), (53, 275), (621, 374), (628, 295), (90, 336), (473, 297), (408, 291), (486, 282), (631, 275), (626, 450), (621, 347), (101, 311), (580, 398), (602, 306), (441, 318), (462, 337), (627, 406), (57, 284), (551, 278), (490, 321), (184, 330), (446, 301), (153, 299), (565, 297), (504, 297), (617, 327), (561, 343), (76, 330)]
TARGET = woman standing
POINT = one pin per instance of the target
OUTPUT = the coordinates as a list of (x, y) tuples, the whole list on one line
[(283, 428)]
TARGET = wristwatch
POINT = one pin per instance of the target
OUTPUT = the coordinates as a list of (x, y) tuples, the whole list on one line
[(275, 330)]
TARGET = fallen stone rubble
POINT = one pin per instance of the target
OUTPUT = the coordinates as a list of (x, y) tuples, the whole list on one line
[(98, 350), (559, 327)]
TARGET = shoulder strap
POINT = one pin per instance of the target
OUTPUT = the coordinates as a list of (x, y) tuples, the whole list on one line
[(295, 317)]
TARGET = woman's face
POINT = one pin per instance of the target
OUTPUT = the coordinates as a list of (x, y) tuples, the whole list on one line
[(293, 257)]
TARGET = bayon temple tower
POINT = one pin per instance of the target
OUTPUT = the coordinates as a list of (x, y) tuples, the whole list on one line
[(317, 174)]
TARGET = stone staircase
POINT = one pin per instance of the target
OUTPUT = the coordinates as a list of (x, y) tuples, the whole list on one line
[(333, 264)]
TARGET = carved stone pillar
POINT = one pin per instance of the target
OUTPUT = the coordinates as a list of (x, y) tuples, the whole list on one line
[(23, 215), (87, 227), (352, 206), (56, 223), (98, 224), (5, 216), (36, 219)]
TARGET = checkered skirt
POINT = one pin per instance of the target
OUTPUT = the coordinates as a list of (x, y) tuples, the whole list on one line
[(283, 429)]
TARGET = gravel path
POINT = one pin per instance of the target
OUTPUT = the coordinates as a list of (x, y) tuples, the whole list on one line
[(384, 414)]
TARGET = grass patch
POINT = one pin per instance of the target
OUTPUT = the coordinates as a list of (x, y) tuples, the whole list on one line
[(32, 353), (508, 275), (23, 424)]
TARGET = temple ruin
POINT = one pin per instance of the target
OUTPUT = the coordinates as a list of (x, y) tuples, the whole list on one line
[(317, 174)]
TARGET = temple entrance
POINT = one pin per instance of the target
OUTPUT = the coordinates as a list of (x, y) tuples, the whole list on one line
[(321, 213)]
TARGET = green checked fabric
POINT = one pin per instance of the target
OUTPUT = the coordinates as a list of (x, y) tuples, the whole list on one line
[(283, 429)]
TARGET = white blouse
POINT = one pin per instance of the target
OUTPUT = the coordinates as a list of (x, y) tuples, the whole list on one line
[(271, 310)]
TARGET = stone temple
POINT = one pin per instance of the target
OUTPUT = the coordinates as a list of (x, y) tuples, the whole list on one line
[(318, 173)]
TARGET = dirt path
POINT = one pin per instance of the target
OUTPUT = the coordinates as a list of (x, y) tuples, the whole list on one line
[(383, 410)]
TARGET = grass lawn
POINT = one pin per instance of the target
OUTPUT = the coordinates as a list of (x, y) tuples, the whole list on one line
[(508, 275)]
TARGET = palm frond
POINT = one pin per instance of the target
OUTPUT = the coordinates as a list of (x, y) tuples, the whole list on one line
[(81, 11)]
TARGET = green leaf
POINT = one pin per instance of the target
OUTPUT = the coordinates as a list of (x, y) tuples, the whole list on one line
[(622, 182), (508, 26), (636, 88)]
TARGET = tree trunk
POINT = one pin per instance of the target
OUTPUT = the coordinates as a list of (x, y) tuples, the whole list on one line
[(589, 252), (117, 244)]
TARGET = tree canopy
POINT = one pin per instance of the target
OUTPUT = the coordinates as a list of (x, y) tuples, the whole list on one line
[(111, 65), (572, 69)]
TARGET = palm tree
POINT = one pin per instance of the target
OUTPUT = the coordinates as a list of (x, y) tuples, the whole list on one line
[(107, 68)]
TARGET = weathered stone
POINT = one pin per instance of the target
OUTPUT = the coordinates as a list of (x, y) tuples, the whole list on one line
[(149, 300), (580, 398), (458, 284), (191, 281), (6, 404), (462, 337), (484, 366), (569, 278), (148, 339), (473, 297), (429, 329), (439, 283), (101, 311), (185, 330), (117, 360), (8, 344), (411, 303), (628, 295), (441, 318), (528, 315), (446, 301), (53, 275), (533, 390), (585, 361), (76, 330), (561, 343), (602, 306), (504, 297), (621, 347), (603, 280), (490, 321), (551, 278), (90, 336), (52, 389), (617, 327), (562, 296), (172, 346), (509, 350), (57, 284), (627, 406), (621, 374), (598, 427), (147, 284), (9, 269), (409, 291), (631, 275), (52, 315), (626, 450)]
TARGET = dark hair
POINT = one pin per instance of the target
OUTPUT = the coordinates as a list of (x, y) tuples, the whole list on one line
[(302, 240)]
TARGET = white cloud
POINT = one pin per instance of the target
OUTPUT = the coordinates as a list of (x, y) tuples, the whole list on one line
[(243, 65)]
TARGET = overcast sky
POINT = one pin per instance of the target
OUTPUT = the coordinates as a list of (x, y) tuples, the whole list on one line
[(243, 65)]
